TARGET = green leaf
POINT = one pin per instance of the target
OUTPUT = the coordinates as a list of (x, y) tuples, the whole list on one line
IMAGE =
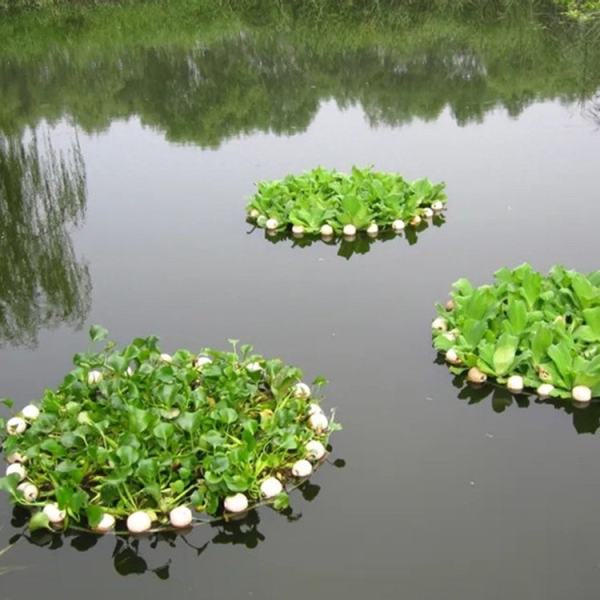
[(98, 333), (541, 342), (163, 432), (282, 501), (473, 330), (505, 353), (561, 356), (94, 515), (517, 315), (228, 415), (592, 318), (39, 520)]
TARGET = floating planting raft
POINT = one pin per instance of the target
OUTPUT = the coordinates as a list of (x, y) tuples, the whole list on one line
[(328, 203), (527, 331), (141, 437)]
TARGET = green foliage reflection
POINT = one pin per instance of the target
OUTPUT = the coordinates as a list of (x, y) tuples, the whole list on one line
[(42, 283)]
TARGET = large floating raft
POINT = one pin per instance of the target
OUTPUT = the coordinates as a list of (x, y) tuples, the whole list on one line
[(138, 439)]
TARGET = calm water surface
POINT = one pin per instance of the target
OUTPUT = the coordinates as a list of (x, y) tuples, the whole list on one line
[(436, 492)]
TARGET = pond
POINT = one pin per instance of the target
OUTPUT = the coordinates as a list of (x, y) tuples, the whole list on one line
[(127, 157)]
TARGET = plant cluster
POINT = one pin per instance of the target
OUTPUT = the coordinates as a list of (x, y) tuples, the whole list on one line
[(138, 434), (328, 202), (580, 10), (527, 331)]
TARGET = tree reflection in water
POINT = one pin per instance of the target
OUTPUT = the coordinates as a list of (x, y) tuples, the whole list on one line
[(42, 193)]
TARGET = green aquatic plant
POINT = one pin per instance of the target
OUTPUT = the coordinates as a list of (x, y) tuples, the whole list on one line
[(137, 434), (328, 202), (527, 331)]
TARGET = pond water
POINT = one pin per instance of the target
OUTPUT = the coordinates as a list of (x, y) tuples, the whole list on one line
[(124, 174)]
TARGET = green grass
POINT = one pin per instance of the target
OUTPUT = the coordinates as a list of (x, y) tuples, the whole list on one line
[(101, 64)]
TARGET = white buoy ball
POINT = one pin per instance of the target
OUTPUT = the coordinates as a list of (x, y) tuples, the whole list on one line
[(16, 425), (349, 230), (581, 393), (515, 383), (31, 412), (16, 457), (181, 516), (139, 521), (107, 523), (272, 224), (29, 491), (254, 367), (236, 504), (271, 487), (94, 377), (301, 468), (416, 220), (297, 229), (428, 213), (129, 372), (318, 422), (302, 391), (201, 361), (373, 229), (476, 376), (398, 225), (54, 514), (315, 450), (166, 357), (450, 336), (440, 324), (16, 469), (545, 390), (326, 230), (452, 357), (254, 214), (314, 409), (437, 205)]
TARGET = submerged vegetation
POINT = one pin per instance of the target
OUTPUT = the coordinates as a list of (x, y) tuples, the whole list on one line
[(331, 203), (139, 435), (527, 331)]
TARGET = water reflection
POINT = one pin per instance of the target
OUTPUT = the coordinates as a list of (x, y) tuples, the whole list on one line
[(359, 244), (154, 553), (42, 193), (585, 417), (274, 79)]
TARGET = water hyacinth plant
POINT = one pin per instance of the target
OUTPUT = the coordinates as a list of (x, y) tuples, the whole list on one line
[(140, 437), (327, 203), (527, 331)]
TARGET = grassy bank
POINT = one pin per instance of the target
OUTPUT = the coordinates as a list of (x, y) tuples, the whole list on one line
[(579, 9), (203, 75)]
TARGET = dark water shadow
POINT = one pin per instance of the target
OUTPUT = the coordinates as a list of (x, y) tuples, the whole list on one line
[(154, 553), (585, 417), (356, 245)]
